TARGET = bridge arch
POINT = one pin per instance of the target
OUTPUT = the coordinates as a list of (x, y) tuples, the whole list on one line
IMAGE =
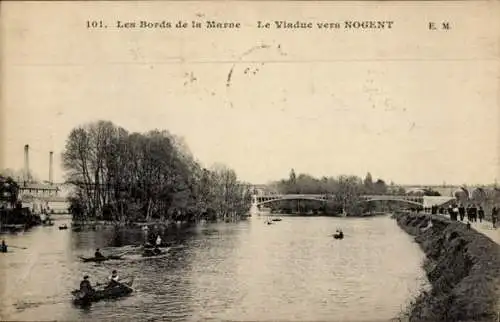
[(284, 198), (394, 200)]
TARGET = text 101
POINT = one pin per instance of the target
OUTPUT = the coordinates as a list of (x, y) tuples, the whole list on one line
[(95, 24)]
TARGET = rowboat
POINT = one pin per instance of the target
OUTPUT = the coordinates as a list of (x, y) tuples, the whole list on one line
[(63, 227), (120, 290), (338, 235), (100, 259)]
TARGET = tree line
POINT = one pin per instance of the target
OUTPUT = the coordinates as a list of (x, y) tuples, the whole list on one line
[(307, 184), (345, 190), (124, 176)]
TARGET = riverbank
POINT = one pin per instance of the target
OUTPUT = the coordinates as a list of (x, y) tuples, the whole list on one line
[(463, 267), (17, 219)]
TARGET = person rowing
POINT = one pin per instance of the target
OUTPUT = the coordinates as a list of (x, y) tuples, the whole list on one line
[(3, 248), (113, 280), (98, 254), (85, 286)]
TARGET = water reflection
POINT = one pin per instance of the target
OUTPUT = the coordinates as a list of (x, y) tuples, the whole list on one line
[(293, 270)]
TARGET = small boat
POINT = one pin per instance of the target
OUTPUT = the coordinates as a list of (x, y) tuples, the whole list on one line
[(120, 290), (63, 227), (338, 235), (276, 219), (100, 259)]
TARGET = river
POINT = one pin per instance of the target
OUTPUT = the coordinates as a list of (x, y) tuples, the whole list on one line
[(292, 270)]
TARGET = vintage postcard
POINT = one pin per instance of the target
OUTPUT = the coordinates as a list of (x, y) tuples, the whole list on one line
[(249, 160)]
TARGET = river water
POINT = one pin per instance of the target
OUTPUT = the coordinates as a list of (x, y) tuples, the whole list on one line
[(290, 271)]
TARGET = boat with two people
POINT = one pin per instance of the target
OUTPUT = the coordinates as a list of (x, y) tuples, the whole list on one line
[(63, 227), (115, 288), (338, 234)]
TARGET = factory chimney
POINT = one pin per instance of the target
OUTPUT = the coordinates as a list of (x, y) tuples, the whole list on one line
[(26, 164), (51, 170)]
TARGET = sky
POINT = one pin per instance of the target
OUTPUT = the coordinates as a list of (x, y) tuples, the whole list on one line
[(409, 105)]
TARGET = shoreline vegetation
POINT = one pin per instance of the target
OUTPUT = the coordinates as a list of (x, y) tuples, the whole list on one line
[(126, 177), (462, 266), (346, 190)]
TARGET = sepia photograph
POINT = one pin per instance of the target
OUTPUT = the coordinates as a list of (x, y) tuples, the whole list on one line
[(250, 161)]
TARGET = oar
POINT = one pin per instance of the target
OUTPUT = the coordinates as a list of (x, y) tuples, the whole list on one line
[(17, 247), (123, 253)]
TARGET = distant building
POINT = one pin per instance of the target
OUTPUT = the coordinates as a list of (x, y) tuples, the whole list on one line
[(37, 191)]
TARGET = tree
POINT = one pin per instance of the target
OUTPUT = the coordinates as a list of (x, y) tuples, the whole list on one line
[(430, 192), (9, 191), (368, 183), (379, 187), (348, 194)]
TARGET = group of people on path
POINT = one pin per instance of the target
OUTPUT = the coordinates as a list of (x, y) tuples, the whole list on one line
[(472, 211)]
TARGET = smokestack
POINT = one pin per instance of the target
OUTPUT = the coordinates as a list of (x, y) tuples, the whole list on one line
[(51, 171), (26, 163)]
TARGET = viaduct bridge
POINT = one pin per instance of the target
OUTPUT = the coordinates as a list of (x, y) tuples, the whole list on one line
[(259, 200)]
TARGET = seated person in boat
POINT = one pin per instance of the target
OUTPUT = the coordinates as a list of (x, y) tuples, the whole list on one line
[(3, 248), (98, 254), (113, 279), (85, 286)]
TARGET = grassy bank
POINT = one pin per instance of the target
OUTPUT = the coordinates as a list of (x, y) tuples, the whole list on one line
[(463, 267)]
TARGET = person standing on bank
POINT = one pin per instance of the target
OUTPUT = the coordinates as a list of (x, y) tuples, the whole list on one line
[(481, 214), (461, 211), (474, 213), (455, 212), (494, 216)]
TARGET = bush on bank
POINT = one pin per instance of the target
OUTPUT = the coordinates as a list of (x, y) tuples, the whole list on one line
[(463, 267)]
